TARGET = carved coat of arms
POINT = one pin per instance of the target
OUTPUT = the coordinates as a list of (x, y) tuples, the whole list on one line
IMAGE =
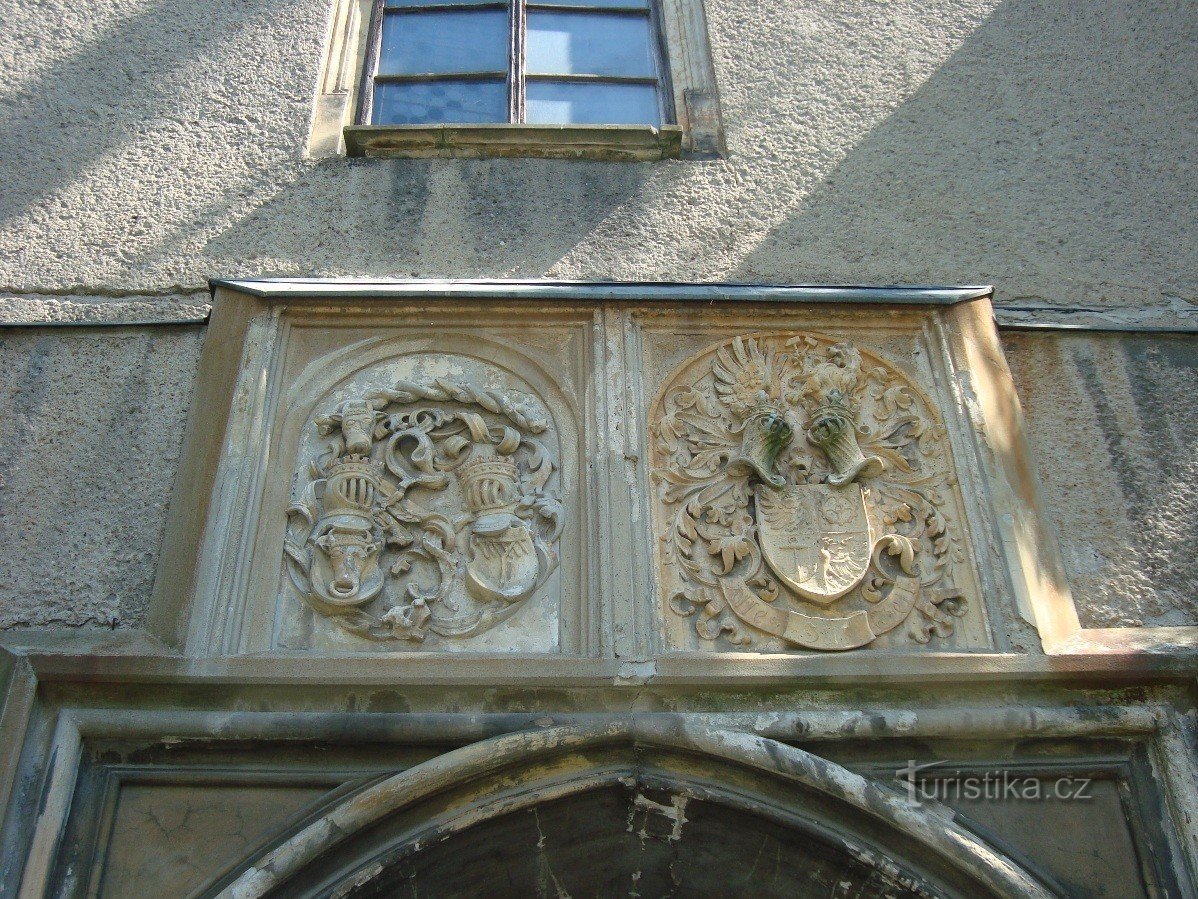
[(816, 538), (433, 510), (804, 498)]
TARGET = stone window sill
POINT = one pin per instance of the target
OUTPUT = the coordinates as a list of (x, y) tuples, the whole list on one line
[(615, 143)]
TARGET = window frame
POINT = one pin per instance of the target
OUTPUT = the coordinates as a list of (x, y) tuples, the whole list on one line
[(517, 75), (689, 87)]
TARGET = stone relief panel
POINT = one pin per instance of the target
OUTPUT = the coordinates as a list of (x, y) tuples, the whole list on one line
[(426, 512), (610, 480), (805, 499)]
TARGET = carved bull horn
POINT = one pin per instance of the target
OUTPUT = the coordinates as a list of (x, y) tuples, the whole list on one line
[(765, 433), (831, 382), (832, 429)]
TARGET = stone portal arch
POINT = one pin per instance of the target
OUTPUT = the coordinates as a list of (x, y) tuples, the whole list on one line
[(644, 807)]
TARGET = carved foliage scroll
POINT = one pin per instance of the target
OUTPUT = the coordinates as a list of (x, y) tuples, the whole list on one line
[(803, 492), (433, 509)]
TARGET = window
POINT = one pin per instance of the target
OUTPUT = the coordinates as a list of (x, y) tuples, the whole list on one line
[(565, 62), (554, 78)]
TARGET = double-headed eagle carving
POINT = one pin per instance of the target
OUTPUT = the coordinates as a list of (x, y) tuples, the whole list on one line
[(804, 499)]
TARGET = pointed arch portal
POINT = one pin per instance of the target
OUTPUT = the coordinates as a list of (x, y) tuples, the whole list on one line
[(648, 807)]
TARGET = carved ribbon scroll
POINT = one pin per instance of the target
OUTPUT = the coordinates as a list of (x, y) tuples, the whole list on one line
[(799, 482), (363, 531)]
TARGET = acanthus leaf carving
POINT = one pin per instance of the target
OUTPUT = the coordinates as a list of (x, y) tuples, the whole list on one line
[(796, 481), (394, 459)]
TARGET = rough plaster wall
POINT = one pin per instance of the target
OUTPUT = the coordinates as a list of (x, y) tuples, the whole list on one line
[(1042, 146), (1113, 424), (151, 144), (91, 424)]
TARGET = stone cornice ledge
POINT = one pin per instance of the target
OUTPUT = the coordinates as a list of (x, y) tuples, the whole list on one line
[(129, 665), (82, 310), (612, 143), (591, 291)]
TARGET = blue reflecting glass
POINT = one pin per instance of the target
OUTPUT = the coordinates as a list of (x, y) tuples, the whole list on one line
[(434, 42), (408, 4), (579, 43), (620, 4), (440, 102), (572, 103)]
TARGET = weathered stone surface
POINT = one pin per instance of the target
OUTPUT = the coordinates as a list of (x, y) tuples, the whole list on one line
[(1113, 426), (150, 144), (362, 845), (426, 506), (806, 495), (611, 143), (379, 477), (170, 839), (880, 144), (393, 478), (90, 424), (77, 309)]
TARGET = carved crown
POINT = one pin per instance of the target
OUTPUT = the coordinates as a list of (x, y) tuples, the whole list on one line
[(489, 481), (352, 483)]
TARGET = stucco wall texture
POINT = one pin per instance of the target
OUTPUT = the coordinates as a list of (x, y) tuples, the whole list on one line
[(1113, 424), (1041, 146), (1045, 147), (91, 424)]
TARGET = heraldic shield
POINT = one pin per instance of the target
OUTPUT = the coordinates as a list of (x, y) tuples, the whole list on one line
[(789, 475), (815, 537)]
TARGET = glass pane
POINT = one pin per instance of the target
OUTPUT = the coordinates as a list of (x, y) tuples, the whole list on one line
[(622, 4), (408, 4), (573, 103), (432, 42), (579, 43), (439, 102)]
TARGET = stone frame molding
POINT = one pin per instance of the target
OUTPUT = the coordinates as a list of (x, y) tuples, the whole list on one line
[(58, 706), (234, 604), (500, 776), (1117, 703), (250, 329)]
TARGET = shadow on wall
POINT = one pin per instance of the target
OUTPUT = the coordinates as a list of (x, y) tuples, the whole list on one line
[(110, 89), (432, 218), (177, 161), (1049, 154), (1114, 436), (91, 424)]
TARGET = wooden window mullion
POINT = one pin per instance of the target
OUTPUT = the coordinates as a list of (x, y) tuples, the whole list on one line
[(661, 60), (371, 65), (519, 19)]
